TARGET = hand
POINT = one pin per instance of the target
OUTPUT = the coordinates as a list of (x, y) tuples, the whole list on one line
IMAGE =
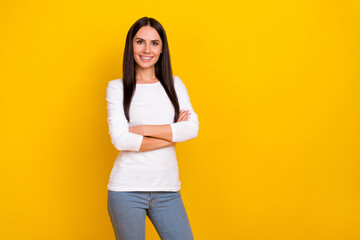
[(184, 115), (139, 129)]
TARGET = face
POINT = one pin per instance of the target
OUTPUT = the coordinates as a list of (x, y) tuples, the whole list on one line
[(147, 47)]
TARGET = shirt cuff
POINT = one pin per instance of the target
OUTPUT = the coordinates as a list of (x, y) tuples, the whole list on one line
[(174, 131), (137, 142)]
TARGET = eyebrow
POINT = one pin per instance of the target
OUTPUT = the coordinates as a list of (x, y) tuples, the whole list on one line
[(155, 40)]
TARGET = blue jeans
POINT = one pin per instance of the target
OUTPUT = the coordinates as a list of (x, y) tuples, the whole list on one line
[(128, 210)]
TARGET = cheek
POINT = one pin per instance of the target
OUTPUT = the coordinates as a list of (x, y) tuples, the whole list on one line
[(157, 51), (136, 49)]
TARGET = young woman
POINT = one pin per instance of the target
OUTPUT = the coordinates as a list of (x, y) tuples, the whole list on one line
[(149, 110)]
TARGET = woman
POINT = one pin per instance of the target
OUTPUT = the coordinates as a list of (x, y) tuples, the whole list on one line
[(149, 110)]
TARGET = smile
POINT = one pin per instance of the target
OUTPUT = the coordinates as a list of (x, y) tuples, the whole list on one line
[(146, 59)]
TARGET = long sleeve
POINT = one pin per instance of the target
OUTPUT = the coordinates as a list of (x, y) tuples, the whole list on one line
[(121, 138), (184, 130)]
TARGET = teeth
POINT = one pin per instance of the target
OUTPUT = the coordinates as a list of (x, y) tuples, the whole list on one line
[(147, 58)]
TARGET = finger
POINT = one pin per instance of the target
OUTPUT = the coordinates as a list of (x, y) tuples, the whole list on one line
[(181, 118), (184, 116), (181, 115), (185, 113)]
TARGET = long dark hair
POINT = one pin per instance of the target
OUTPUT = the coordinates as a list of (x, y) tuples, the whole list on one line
[(163, 69)]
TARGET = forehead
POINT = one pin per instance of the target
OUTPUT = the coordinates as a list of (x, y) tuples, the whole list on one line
[(147, 33)]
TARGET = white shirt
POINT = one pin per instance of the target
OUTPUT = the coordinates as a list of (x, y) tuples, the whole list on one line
[(154, 170)]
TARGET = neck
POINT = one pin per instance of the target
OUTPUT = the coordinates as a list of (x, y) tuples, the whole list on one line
[(145, 74)]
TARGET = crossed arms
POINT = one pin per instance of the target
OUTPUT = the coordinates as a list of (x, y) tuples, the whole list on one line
[(149, 137), (157, 136)]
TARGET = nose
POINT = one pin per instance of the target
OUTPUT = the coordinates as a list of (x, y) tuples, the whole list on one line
[(147, 48)]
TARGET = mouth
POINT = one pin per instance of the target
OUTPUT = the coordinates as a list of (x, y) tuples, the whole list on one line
[(145, 59)]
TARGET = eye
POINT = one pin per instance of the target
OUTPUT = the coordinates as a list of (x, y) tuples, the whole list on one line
[(155, 43), (138, 41)]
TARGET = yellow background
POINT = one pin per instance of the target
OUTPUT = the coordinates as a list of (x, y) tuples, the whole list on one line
[(276, 86)]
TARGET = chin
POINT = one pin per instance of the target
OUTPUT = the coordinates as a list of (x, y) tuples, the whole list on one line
[(145, 65)]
